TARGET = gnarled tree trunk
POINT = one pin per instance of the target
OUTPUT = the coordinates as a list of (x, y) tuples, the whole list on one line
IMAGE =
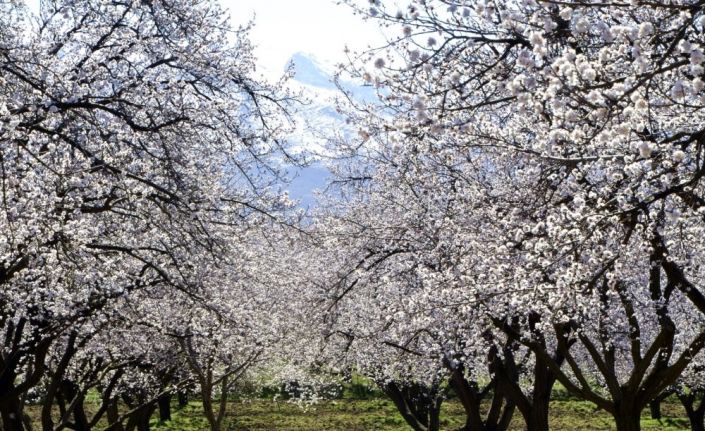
[(696, 413), (418, 404), (471, 396)]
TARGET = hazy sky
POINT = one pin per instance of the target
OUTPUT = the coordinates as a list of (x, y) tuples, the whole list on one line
[(284, 27), (319, 27)]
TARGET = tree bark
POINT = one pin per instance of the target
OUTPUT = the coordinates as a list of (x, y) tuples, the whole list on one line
[(470, 396), (537, 420), (183, 398), (627, 414), (627, 420), (12, 415), (434, 416), (164, 407), (215, 418), (696, 415), (697, 420), (71, 392), (113, 415), (534, 408), (655, 409), (419, 405), (139, 420)]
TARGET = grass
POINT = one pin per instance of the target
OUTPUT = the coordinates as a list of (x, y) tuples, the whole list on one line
[(380, 415), (363, 408)]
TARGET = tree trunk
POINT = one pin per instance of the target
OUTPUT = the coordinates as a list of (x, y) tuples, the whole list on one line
[(537, 420), (215, 418), (697, 420), (696, 415), (419, 406), (470, 396), (467, 394), (655, 409), (165, 407), (534, 408), (434, 416), (183, 398), (114, 416), (627, 418), (11, 407), (207, 402), (12, 415), (139, 420), (71, 392), (143, 424)]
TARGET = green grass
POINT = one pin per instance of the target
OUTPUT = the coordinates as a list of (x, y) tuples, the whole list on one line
[(364, 408), (380, 415)]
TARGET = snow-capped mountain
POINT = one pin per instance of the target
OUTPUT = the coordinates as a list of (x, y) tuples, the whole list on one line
[(312, 72), (316, 121)]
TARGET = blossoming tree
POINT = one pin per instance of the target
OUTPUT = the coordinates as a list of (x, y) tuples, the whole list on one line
[(584, 122), (133, 138)]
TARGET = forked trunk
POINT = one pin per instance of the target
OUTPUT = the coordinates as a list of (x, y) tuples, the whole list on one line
[(72, 393), (419, 405), (534, 408), (500, 412)]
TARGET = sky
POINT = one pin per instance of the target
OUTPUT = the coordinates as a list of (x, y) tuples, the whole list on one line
[(318, 27), (321, 28)]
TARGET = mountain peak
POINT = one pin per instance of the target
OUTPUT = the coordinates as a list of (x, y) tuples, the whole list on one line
[(311, 71)]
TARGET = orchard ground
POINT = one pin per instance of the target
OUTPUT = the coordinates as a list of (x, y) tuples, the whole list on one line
[(379, 414)]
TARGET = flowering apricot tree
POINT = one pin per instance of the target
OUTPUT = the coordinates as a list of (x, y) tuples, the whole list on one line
[(132, 139), (577, 128)]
